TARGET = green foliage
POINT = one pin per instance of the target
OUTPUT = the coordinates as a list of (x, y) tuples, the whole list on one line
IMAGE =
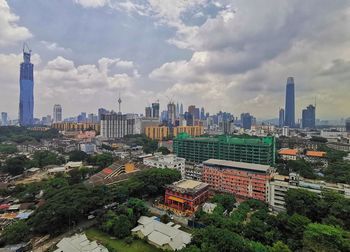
[(338, 172), (16, 165), (319, 237), (78, 155), (44, 158), (303, 202), (149, 145), (66, 206), (16, 232), (150, 182), (21, 134), (332, 154), (302, 167), (226, 200), (101, 160), (8, 148), (163, 150), (280, 247)]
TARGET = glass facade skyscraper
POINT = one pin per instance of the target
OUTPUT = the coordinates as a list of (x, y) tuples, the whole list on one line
[(309, 117), (289, 116), (26, 99)]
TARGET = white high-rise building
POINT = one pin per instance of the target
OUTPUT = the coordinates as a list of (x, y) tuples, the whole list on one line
[(57, 113)]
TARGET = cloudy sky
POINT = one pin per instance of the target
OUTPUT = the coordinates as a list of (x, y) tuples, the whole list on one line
[(222, 54)]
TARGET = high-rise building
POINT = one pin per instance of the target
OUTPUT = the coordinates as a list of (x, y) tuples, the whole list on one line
[(57, 113), (309, 117), (181, 109), (116, 125), (347, 124), (26, 99), (4, 119), (246, 120), (101, 111), (202, 114), (281, 118), (289, 116), (258, 150), (155, 110), (171, 113), (177, 110), (148, 112)]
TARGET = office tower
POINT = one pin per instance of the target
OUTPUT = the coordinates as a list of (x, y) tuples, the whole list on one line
[(281, 118), (189, 118), (181, 109), (259, 150), (100, 112), (177, 110), (155, 110), (246, 120), (82, 117), (116, 125), (196, 114), (171, 113), (309, 117), (57, 113), (148, 112), (164, 116), (4, 119), (347, 124), (191, 109), (26, 100), (289, 116), (202, 114)]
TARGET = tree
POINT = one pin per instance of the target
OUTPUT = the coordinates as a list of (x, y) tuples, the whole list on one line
[(280, 247), (226, 200), (303, 202), (16, 165), (122, 226), (163, 150), (301, 167), (78, 156), (338, 172), (101, 160), (295, 229), (320, 237), (8, 148), (44, 158), (16, 232)]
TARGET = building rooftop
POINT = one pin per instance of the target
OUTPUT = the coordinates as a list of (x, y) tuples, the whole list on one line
[(291, 152), (238, 165), (238, 139), (188, 185), (316, 154)]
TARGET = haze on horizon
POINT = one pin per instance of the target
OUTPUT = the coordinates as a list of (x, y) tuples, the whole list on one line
[(225, 55)]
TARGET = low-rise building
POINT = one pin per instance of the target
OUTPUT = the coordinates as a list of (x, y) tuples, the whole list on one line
[(166, 161), (288, 154), (186, 195), (160, 235), (79, 243), (209, 207), (316, 157), (279, 185), (88, 148), (244, 180)]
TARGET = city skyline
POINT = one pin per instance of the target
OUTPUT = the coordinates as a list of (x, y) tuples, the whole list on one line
[(172, 59)]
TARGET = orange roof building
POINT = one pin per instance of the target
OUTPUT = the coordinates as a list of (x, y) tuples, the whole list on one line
[(292, 152), (317, 154)]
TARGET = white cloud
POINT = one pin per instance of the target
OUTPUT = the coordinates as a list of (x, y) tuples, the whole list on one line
[(52, 46), (10, 31), (91, 3)]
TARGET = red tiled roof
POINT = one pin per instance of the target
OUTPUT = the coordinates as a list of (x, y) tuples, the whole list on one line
[(4, 206), (107, 171), (291, 152), (316, 153)]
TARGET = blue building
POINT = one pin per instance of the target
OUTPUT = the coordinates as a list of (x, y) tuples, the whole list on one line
[(309, 117), (246, 120), (281, 118), (26, 80), (289, 116)]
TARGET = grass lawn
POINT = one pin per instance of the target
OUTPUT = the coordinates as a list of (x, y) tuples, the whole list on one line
[(120, 245)]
